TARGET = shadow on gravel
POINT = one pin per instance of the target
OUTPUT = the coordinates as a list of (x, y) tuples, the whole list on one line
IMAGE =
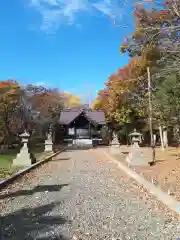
[(125, 153), (86, 147), (57, 148), (60, 237), (29, 223), (39, 188), (61, 159), (70, 149)]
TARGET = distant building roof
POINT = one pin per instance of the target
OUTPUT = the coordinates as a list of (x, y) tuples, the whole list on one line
[(68, 115)]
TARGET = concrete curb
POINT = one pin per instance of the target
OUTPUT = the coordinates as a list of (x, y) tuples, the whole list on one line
[(158, 193), (21, 173)]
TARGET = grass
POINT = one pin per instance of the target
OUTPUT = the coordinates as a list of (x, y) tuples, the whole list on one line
[(7, 172), (6, 160), (6, 168), (40, 156)]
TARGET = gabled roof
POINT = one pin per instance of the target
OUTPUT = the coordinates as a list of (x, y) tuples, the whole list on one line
[(96, 116), (68, 115)]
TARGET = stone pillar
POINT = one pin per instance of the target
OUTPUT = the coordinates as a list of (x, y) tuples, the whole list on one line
[(23, 157), (48, 143), (165, 139)]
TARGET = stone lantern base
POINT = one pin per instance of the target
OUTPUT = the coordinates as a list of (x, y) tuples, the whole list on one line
[(115, 146), (48, 145), (136, 157), (23, 157), (115, 149)]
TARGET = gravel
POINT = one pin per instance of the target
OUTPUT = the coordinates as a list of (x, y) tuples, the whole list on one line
[(81, 195)]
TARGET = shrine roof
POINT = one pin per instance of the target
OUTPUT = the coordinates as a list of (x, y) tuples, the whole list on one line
[(69, 115)]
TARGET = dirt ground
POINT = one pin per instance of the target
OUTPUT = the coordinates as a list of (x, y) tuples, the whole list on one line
[(166, 172)]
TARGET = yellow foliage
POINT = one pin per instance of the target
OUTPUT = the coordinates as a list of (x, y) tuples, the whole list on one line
[(97, 104), (72, 101), (10, 93)]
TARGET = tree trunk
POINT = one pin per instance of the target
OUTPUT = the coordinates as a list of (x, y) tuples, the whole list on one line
[(176, 134), (161, 137), (165, 139)]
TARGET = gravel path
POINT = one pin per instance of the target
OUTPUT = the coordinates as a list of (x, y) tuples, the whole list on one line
[(80, 195)]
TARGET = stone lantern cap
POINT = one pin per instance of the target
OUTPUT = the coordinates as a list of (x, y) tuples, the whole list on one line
[(136, 137), (24, 135), (135, 134)]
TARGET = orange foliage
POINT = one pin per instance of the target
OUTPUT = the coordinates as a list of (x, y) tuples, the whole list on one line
[(163, 15), (10, 93), (119, 85), (46, 102)]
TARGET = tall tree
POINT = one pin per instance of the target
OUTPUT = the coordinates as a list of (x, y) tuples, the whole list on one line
[(10, 96), (45, 107), (48, 102), (71, 101)]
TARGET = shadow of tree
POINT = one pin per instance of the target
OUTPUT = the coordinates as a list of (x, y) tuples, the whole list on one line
[(125, 153), (85, 147), (61, 159), (60, 237), (57, 147), (28, 223), (39, 188)]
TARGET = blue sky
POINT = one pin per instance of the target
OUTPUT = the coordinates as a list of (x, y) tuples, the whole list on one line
[(67, 44)]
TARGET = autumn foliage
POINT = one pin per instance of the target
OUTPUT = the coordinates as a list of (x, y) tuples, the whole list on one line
[(10, 93), (117, 95), (71, 101), (154, 43), (29, 107)]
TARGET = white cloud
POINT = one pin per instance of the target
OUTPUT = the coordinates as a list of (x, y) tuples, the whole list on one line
[(56, 12), (40, 84), (105, 7), (113, 9)]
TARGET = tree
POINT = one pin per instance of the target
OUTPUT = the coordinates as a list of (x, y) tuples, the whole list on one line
[(47, 101), (10, 95), (154, 43), (71, 101), (156, 36), (119, 98), (156, 40), (46, 104), (168, 110)]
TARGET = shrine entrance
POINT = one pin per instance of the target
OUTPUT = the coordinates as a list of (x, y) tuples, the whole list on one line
[(81, 126)]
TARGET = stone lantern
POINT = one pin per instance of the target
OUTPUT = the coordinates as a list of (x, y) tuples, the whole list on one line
[(25, 137), (48, 141), (23, 157), (136, 138), (115, 146), (136, 154)]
